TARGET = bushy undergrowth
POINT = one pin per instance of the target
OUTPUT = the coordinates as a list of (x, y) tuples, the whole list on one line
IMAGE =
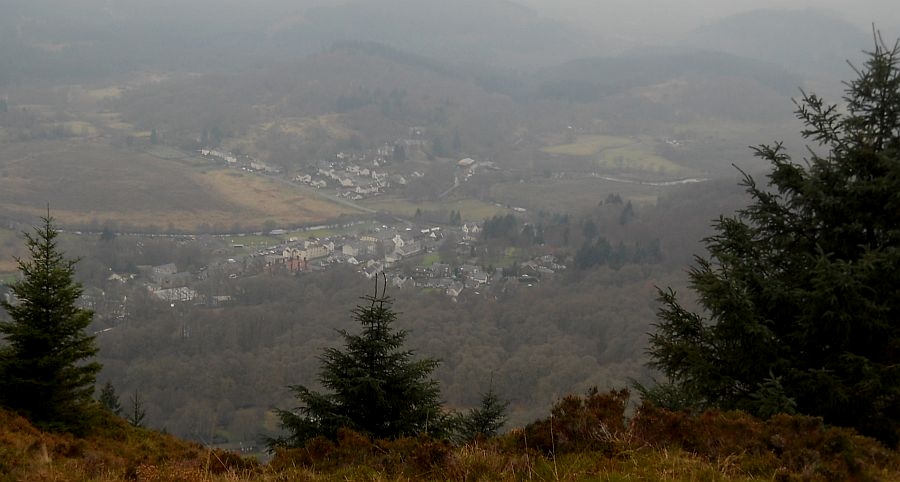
[(586, 438), (113, 450), (589, 437), (784, 447)]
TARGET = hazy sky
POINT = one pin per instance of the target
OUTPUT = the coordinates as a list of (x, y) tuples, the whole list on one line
[(657, 19)]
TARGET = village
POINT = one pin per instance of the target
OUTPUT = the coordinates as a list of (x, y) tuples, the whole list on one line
[(358, 175), (411, 256), (406, 252), (408, 255)]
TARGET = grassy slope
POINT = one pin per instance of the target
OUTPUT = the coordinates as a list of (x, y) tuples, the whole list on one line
[(618, 153), (86, 181)]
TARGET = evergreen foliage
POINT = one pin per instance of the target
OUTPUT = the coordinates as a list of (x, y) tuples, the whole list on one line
[(800, 287), (399, 153), (43, 370), (500, 226), (438, 149), (601, 252), (109, 399), (455, 218), (627, 213), (589, 229), (485, 421), (137, 413), (376, 387)]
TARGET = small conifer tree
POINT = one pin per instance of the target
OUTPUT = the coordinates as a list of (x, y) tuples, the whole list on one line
[(485, 421), (44, 373), (109, 399), (137, 412), (376, 386)]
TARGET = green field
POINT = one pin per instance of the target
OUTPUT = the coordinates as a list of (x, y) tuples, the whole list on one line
[(570, 195), (324, 233), (618, 154), (430, 258), (469, 209), (586, 146), (637, 157)]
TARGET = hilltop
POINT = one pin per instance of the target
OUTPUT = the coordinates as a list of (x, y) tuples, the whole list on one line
[(811, 41)]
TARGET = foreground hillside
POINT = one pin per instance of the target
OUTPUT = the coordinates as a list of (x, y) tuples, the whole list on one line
[(114, 451), (586, 438)]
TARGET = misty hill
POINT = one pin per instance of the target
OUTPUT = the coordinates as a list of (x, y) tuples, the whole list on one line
[(373, 93), (673, 86), (483, 31), (376, 91), (88, 40), (590, 78), (811, 41), (91, 39)]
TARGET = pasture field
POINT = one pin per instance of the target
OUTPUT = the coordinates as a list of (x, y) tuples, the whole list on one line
[(469, 209), (586, 146), (113, 121), (87, 182), (78, 128), (637, 157), (324, 233), (570, 195), (429, 259), (618, 154), (170, 154), (102, 93), (263, 240), (716, 128)]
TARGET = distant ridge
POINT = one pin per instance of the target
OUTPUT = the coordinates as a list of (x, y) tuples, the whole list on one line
[(810, 41), (481, 31)]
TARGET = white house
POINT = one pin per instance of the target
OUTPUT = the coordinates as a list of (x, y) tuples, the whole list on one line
[(470, 230)]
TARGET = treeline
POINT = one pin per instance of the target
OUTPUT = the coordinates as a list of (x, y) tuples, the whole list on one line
[(562, 233), (602, 252)]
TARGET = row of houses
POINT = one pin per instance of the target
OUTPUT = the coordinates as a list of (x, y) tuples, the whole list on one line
[(353, 183), (377, 251), (386, 246), (246, 162)]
